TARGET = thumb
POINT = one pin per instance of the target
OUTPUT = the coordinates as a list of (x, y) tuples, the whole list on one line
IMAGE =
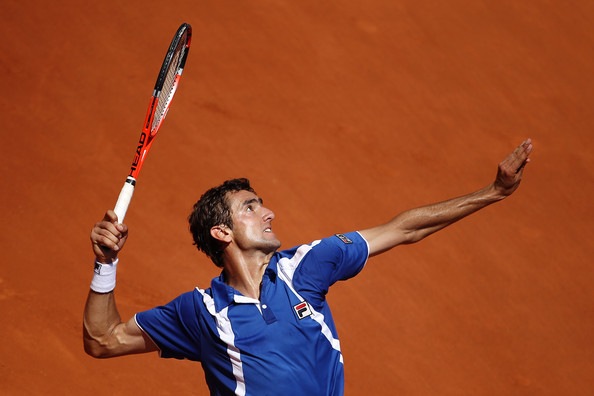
[(111, 217)]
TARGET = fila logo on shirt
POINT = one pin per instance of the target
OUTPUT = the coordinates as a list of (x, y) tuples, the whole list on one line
[(344, 238), (302, 310)]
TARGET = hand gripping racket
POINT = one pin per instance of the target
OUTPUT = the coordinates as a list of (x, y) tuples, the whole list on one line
[(165, 87)]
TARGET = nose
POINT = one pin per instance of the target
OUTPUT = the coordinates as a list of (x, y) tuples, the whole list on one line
[(268, 214)]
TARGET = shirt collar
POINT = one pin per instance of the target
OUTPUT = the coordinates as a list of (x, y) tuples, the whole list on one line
[(223, 294)]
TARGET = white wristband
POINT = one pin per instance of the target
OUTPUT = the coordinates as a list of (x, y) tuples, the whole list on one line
[(104, 278)]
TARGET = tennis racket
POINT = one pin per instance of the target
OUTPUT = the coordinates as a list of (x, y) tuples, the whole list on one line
[(165, 88)]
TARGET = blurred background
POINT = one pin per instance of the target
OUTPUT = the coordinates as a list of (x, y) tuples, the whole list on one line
[(342, 114)]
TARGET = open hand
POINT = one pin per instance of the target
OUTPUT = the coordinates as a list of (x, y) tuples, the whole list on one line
[(510, 170)]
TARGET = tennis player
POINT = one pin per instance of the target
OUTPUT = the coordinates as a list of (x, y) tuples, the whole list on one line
[(263, 327)]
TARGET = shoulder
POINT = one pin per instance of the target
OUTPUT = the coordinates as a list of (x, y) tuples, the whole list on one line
[(325, 261), (336, 243), (186, 304), (339, 247), (351, 240)]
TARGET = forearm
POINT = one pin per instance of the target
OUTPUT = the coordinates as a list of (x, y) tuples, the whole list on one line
[(419, 223), (415, 224), (99, 323), (104, 333)]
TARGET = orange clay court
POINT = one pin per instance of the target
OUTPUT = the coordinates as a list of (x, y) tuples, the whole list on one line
[(342, 114)]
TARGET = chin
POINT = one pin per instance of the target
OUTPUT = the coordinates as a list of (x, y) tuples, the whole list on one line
[(274, 245)]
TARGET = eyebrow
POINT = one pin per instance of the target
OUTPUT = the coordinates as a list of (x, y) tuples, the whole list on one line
[(252, 201)]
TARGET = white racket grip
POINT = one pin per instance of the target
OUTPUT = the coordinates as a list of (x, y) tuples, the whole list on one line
[(124, 199)]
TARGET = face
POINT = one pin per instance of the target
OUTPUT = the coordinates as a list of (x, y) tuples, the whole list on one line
[(252, 222)]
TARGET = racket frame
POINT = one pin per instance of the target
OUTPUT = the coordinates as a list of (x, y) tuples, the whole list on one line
[(148, 134)]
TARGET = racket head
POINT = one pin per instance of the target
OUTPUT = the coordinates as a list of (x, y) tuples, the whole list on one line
[(165, 87), (169, 75)]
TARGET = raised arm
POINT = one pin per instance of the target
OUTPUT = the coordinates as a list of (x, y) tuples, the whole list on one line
[(415, 224), (104, 333)]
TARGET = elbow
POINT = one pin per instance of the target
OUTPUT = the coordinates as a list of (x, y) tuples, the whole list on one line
[(95, 350), (410, 237), (92, 352), (94, 346)]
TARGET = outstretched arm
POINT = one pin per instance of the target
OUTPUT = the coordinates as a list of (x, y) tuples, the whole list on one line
[(104, 333), (415, 224)]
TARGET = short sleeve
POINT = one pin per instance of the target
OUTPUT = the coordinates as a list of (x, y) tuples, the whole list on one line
[(174, 327), (338, 257)]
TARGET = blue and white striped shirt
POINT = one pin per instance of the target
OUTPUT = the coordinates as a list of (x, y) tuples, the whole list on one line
[(283, 344)]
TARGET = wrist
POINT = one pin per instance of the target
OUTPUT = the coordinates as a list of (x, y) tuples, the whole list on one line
[(104, 277), (106, 259), (498, 192)]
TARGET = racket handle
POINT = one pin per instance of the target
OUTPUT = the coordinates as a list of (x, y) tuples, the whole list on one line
[(124, 199)]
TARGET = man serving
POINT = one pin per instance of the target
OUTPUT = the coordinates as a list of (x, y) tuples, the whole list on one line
[(263, 327)]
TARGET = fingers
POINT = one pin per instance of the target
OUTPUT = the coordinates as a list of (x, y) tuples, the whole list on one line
[(510, 170), (521, 153), (522, 149), (110, 216), (108, 237), (515, 162), (526, 149), (110, 225)]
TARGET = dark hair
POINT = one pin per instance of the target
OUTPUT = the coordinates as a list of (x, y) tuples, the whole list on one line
[(212, 209)]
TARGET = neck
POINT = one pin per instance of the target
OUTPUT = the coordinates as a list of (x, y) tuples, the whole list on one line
[(244, 272)]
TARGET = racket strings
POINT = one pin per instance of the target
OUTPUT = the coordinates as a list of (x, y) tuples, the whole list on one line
[(168, 87)]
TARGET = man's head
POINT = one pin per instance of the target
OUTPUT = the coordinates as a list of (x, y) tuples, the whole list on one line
[(231, 212)]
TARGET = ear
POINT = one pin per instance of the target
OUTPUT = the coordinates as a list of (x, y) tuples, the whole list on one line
[(221, 233)]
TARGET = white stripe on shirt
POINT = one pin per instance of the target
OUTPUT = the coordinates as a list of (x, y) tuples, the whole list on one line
[(228, 337), (286, 270)]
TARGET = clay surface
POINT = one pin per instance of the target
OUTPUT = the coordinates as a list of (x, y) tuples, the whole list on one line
[(343, 114)]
